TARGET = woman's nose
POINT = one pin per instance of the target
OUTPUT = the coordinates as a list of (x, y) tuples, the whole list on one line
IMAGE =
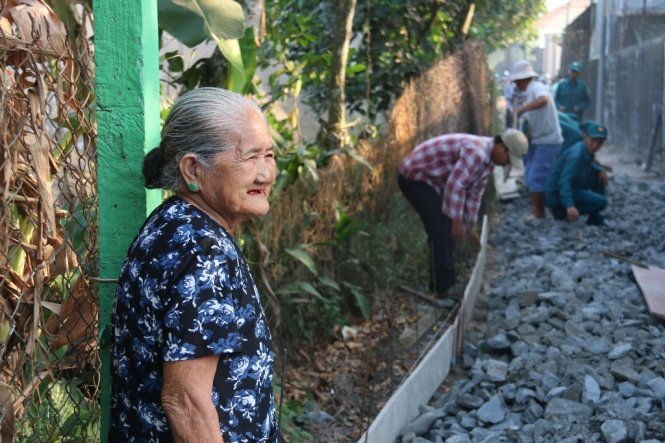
[(266, 169)]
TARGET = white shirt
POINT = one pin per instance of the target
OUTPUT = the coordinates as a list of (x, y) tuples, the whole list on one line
[(508, 94), (544, 121)]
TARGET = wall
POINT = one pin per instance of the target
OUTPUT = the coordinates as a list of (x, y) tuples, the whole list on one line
[(634, 90), (634, 96)]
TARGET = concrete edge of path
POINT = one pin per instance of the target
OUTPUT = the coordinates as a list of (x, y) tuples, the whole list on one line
[(425, 379)]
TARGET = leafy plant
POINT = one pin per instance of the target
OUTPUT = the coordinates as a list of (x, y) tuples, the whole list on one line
[(396, 41), (222, 21), (60, 414), (297, 162), (291, 410)]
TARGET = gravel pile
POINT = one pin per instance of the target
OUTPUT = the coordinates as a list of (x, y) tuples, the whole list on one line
[(570, 352)]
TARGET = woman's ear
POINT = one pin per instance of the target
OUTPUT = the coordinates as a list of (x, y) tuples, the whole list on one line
[(190, 168)]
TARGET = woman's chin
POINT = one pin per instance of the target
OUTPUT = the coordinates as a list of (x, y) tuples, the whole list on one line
[(259, 209)]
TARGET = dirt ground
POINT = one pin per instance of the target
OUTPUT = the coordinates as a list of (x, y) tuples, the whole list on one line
[(344, 385)]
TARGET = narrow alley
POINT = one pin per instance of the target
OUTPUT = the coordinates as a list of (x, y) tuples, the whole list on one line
[(565, 348)]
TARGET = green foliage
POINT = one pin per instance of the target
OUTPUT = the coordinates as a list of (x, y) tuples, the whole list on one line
[(296, 162), (192, 21), (346, 227), (502, 23), (222, 21), (299, 43), (397, 41), (368, 256), (360, 298), (317, 300), (301, 255), (290, 411), (61, 413)]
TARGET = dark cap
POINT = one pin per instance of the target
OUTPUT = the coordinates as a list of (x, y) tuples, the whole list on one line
[(575, 66), (594, 130)]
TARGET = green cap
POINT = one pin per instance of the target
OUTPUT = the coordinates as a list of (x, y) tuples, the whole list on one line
[(575, 66), (594, 130)]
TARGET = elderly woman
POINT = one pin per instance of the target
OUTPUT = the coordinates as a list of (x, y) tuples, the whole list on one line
[(191, 350)]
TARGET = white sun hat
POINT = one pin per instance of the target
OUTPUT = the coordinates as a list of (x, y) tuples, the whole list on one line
[(522, 70), (517, 145)]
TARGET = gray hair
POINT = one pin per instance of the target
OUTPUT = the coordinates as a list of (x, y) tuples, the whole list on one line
[(203, 122)]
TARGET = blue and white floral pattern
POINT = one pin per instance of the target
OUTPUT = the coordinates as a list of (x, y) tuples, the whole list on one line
[(186, 292)]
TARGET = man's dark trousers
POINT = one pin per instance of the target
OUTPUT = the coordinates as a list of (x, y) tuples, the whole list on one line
[(428, 203)]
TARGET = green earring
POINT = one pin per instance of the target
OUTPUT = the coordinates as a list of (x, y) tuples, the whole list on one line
[(193, 187)]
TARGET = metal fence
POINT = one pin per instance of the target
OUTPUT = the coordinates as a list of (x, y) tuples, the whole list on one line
[(49, 362), (633, 83), (634, 22)]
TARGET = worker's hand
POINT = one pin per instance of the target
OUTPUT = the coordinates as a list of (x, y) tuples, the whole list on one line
[(573, 213), (608, 168), (457, 230), (603, 178), (473, 237)]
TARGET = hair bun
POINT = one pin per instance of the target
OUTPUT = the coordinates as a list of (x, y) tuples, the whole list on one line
[(153, 164)]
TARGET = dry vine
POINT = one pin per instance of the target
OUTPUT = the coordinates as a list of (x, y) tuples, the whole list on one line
[(48, 310)]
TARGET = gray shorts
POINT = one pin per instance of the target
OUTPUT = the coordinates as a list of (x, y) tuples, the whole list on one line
[(539, 161)]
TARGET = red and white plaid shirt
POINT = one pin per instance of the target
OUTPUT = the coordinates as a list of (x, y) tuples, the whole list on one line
[(457, 166)]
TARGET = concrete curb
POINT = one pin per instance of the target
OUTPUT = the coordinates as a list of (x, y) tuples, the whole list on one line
[(416, 390)]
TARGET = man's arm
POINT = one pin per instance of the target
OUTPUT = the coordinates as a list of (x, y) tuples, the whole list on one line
[(187, 400), (569, 159), (456, 196), (537, 103), (472, 205), (455, 193), (457, 229)]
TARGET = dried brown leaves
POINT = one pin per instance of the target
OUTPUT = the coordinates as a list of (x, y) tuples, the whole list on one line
[(48, 185), (33, 23)]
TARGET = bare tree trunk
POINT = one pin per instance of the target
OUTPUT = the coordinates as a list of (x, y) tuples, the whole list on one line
[(255, 18), (337, 134)]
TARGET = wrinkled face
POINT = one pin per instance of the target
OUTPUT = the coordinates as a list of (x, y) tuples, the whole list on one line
[(238, 184), (593, 145)]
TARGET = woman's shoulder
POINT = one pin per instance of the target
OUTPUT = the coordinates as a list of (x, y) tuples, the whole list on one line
[(176, 230), (174, 223), (178, 213), (191, 224)]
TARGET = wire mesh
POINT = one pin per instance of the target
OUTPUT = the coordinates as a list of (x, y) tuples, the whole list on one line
[(634, 22), (49, 362), (634, 33)]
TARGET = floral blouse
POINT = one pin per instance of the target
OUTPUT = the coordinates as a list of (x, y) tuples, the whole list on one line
[(185, 292)]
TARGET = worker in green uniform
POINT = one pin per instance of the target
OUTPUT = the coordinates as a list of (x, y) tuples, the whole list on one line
[(572, 93), (576, 185), (570, 130)]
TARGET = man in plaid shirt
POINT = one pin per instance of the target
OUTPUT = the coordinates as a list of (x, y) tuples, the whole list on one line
[(444, 179)]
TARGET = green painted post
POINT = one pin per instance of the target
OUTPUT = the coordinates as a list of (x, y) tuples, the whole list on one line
[(127, 87)]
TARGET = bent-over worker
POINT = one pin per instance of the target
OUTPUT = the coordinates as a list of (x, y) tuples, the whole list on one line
[(444, 179)]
